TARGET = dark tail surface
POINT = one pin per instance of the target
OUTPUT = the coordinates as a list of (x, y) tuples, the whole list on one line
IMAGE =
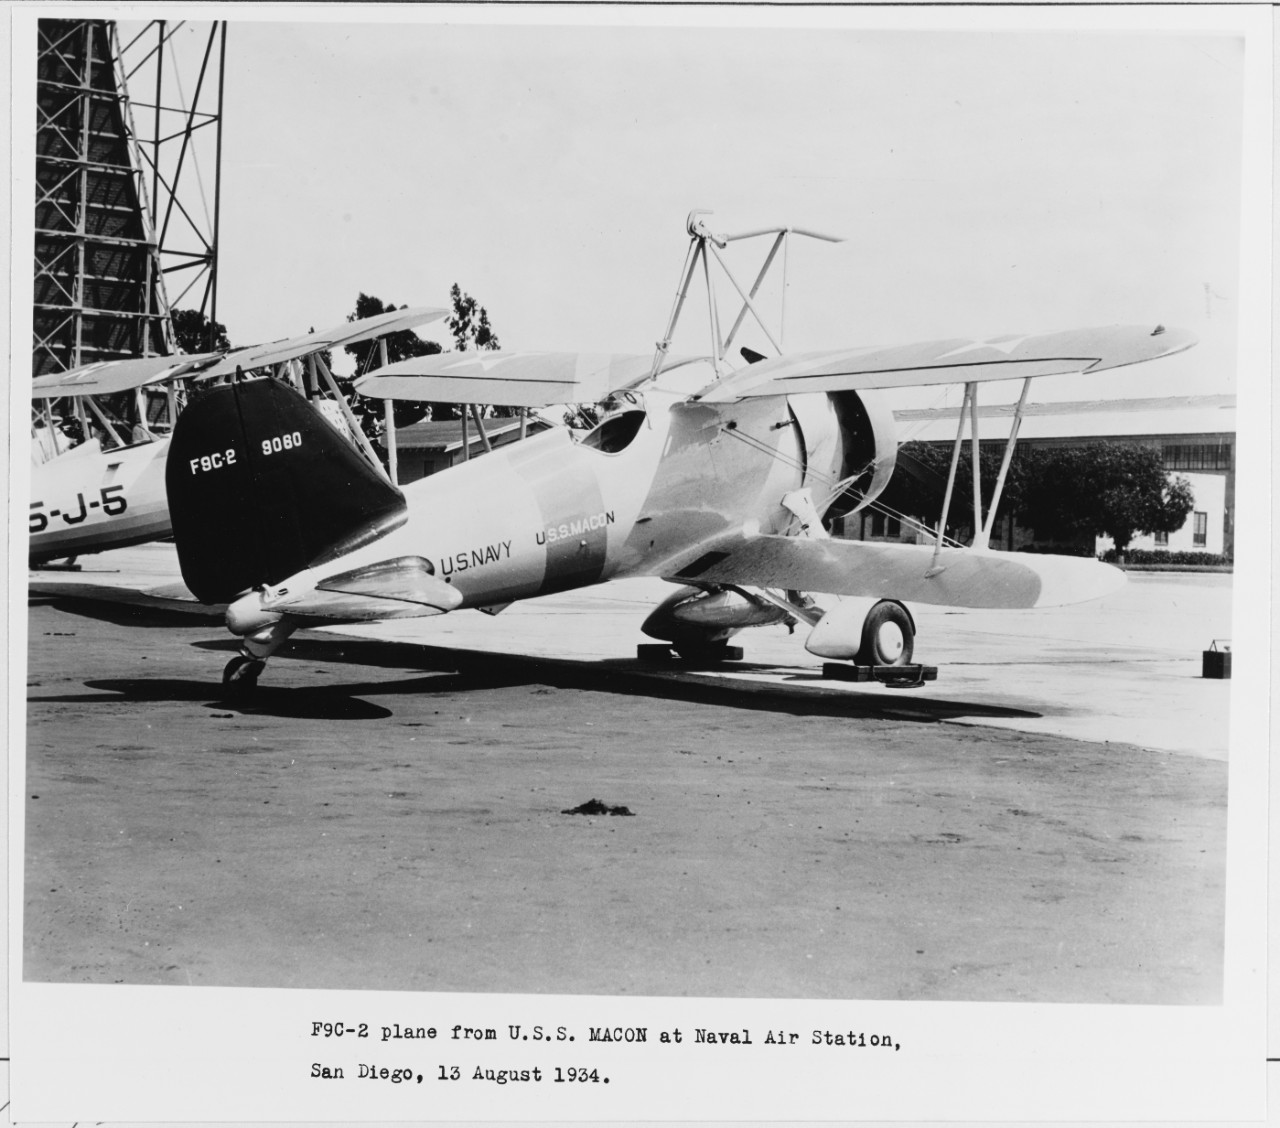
[(261, 486)]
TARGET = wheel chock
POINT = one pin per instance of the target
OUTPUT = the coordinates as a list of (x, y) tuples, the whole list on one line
[(654, 652), (688, 655), (896, 677)]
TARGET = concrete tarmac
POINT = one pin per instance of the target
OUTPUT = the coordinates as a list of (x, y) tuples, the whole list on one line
[(392, 811)]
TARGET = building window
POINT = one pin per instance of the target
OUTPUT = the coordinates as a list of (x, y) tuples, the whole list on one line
[(877, 524), (1162, 540), (1200, 529), (1197, 456), (893, 527)]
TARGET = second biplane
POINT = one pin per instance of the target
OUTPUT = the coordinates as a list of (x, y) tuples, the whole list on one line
[(108, 491)]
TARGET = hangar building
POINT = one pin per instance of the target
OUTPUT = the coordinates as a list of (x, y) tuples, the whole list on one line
[(1195, 435), (429, 447)]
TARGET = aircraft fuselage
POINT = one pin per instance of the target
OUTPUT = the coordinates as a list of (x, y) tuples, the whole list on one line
[(90, 500), (550, 513)]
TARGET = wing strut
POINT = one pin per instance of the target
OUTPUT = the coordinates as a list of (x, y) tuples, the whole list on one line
[(389, 417), (977, 466), (984, 538), (982, 527), (353, 424), (484, 435), (106, 423), (46, 417), (940, 533)]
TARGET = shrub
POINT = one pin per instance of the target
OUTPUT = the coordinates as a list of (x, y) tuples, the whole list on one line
[(1150, 556)]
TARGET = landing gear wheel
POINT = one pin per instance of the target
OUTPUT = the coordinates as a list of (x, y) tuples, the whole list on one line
[(240, 678), (888, 638)]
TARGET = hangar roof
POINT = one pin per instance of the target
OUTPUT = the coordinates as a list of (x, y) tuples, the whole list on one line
[(1167, 415)]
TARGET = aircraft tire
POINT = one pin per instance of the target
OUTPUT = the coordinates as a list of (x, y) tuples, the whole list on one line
[(888, 637), (240, 678)]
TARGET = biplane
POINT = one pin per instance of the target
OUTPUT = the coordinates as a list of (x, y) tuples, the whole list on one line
[(722, 479), (108, 491)]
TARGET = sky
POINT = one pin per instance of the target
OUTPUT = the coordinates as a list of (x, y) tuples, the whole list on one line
[(985, 181)]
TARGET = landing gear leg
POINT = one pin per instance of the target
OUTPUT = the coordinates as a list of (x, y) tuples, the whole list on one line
[(240, 678)]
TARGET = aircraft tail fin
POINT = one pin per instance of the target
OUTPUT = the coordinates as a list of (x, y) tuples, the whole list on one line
[(262, 486)]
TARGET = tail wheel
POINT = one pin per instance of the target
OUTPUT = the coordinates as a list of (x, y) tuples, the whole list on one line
[(888, 636), (240, 678)]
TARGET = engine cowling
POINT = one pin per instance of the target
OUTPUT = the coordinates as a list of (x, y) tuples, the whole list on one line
[(845, 435)]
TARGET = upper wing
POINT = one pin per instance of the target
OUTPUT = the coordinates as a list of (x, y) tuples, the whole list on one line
[(517, 379), (952, 361), (961, 578), (348, 333), (106, 377)]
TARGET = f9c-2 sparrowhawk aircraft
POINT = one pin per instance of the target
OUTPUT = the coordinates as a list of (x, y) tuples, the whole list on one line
[(717, 479)]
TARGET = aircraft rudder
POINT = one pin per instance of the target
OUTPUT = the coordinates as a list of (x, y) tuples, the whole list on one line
[(261, 486)]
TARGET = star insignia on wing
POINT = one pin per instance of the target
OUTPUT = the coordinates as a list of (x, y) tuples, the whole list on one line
[(467, 359), (1004, 344)]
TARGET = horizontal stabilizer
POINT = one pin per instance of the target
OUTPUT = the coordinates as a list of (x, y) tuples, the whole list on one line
[(339, 607), (959, 578), (515, 379), (406, 579), (951, 362)]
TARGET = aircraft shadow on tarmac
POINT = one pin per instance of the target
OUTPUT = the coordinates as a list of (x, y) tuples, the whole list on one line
[(322, 703), (460, 671), (126, 613), (474, 670)]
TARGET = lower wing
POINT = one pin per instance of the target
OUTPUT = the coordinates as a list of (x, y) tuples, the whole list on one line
[(955, 577)]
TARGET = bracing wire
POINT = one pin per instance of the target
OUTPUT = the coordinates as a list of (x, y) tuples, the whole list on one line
[(836, 487)]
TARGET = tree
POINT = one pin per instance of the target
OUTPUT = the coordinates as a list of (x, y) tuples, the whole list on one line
[(1063, 493), (400, 346), (1103, 489), (195, 333), (920, 479), (469, 322)]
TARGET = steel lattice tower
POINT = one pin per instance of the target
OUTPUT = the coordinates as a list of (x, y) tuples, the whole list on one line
[(115, 206)]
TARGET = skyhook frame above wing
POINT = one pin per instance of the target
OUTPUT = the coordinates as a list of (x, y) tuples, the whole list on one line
[(953, 361)]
